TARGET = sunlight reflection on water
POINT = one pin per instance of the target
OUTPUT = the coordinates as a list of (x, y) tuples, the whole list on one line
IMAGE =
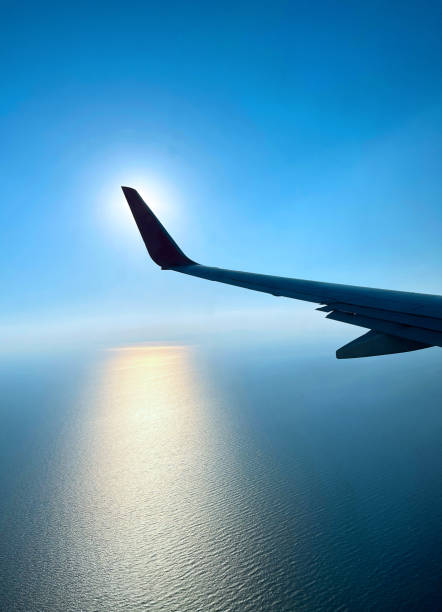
[(148, 471)]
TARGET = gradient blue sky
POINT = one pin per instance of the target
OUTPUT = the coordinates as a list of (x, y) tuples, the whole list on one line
[(291, 138)]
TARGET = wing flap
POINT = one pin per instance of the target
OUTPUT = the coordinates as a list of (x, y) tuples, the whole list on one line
[(375, 343), (386, 315), (416, 334)]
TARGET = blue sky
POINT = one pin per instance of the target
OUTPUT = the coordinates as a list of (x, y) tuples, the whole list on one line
[(291, 138)]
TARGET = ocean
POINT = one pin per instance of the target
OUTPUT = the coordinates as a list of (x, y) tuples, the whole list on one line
[(225, 477)]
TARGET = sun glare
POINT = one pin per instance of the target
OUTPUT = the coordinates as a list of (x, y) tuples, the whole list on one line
[(154, 192)]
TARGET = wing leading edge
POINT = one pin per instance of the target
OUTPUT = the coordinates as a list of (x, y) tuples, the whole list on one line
[(398, 321)]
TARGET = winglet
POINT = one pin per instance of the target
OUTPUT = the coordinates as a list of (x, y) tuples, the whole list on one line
[(160, 245)]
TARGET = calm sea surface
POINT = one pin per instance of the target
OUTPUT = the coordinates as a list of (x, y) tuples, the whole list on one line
[(181, 478)]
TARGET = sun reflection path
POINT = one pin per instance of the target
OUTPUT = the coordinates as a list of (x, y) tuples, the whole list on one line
[(151, 405), (149, 474), (160, 499)]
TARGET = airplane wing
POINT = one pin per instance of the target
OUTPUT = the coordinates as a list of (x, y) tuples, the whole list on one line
[(397, 321)]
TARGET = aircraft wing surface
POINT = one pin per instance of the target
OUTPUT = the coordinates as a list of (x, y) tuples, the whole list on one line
[(398, 321)]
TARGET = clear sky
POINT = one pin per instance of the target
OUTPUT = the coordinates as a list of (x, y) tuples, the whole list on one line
[(292, 138)]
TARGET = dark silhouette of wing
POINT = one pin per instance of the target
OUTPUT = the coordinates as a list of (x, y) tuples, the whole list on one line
[(398, 321), (160, 245)]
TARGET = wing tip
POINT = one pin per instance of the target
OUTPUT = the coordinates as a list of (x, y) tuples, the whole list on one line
[(161, 247), (129, 190)]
